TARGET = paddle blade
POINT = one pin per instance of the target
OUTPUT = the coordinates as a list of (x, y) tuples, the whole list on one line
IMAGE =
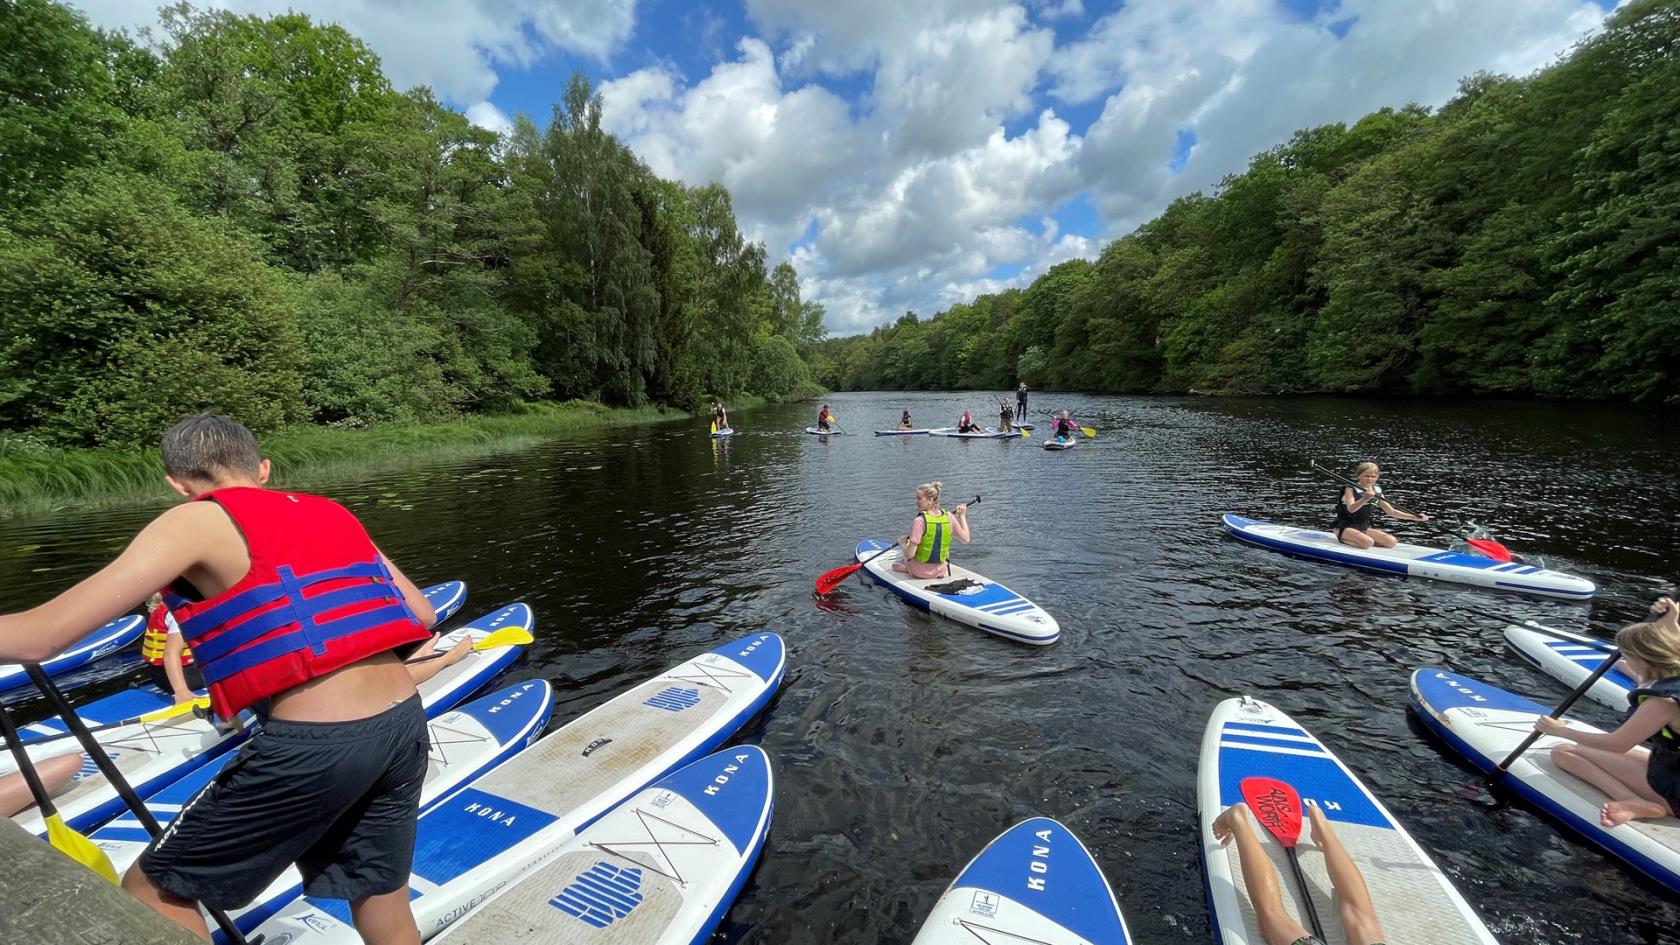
[(79, 848), (1088, 431), (831, 579), (1489, 547), (1277, 807), (507, 636), (714, 426), (169, 712)]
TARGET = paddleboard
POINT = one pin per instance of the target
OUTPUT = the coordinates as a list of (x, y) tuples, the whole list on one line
[(1485, 724), (1412, 560), (720, 434), (1571, 658), (989, 434), (151, 756), (99, 644), (1029, 427), (816, 432), (446, 598), (517, 817), (465, 743), (1035, 884), (989, 606), (903, 432), (1058, 444), (1414, 900), (659, 869)]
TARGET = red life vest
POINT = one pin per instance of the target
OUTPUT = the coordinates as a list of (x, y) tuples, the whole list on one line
[(157, 634), (317, 598)]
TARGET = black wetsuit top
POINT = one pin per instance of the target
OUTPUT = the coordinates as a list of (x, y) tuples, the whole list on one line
[(1663, 770), (1360, 519)]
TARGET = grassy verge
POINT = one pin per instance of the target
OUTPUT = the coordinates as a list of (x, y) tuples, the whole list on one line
[(36, 481)]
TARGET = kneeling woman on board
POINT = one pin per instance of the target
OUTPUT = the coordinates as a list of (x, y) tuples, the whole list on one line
[(927, 549), (904, 422), (1643, 783), (1352, 525)]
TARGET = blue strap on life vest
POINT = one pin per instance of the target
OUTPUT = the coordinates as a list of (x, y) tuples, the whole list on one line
[(217, 658)]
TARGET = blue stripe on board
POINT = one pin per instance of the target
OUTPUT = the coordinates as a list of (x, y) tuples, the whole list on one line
[(1265, 729), (1317, 778), (1262, 743)]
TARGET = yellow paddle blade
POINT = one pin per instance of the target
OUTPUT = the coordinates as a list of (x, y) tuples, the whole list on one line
[(507, 636), (1088, 431), (1026, 435), (714, 426), (79, 848), (169, 712)]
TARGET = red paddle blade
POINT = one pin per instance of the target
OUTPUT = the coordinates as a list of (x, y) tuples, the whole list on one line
[(1489, 547), (1277, 807), (831, 579)]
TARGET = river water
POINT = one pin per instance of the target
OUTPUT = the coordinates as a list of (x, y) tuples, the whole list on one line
[(903, 742)]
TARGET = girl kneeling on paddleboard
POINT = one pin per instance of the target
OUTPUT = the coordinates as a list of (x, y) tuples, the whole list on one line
[(1352, 525), (1643, 783), (904, 422), (927, 549)]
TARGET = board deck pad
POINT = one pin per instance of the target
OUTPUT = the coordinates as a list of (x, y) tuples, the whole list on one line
[(1571, 660), (1484, 723), (659, 869), (1035, 884), (1411, 560), (1414, 899), (980, 602), (512, 819)]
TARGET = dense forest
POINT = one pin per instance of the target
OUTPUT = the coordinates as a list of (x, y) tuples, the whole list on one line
[(243, 214), (1522, 240)]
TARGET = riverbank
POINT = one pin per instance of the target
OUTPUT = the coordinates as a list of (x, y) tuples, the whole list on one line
[(35, 481)]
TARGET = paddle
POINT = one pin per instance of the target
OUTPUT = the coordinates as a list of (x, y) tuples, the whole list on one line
[(64, 840), (92, 748), (1557, 713), (156, 715), (507, 636), (1486, 546), (830, 579), (714, 426), (1278, 808)]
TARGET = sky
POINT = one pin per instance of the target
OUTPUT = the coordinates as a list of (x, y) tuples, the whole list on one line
[(907, 155)]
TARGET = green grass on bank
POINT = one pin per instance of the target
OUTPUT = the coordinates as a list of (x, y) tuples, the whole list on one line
[(37, 480)]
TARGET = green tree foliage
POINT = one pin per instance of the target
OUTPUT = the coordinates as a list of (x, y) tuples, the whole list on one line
[(1524, 239), (246, 216)]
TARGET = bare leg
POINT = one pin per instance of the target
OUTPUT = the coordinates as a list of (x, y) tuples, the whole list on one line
[(385, 919), (1277, 926), (1355, 538), (1381, 538), (182, 912), (1621, 775), (55, 773), (1358, 916)]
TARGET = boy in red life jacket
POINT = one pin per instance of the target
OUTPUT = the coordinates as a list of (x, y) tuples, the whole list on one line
[(283, 598)]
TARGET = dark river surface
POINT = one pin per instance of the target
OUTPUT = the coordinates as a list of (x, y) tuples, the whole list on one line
[(903, 742)]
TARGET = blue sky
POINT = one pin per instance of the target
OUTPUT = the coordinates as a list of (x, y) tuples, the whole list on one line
[(908, 156)]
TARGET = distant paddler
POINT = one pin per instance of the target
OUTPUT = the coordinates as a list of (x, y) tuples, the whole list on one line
[(720, 416), (904, 422), (966, 424)]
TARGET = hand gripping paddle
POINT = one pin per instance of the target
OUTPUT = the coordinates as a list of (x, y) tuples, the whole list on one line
[(830, 579), (1278, 808)]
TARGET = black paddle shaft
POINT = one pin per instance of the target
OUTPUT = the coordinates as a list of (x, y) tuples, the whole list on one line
[(26, 767), (125, 790), (1563, 707), (1306, 894)]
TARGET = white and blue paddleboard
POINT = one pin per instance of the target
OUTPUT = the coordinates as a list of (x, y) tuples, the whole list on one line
[(99, 644), (516, 818), (1571, 657), (720, 434), (152, 756), (1485, 724), (1248, 738), (830, 432), (465, 743), (660, 869), (1412, 560), (987, 434), (903, 432), (1061, 443), (446, 598), (1035, 884), (982, 603)]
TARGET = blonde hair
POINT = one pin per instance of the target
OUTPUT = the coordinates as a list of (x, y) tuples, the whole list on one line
[(1364, 468), (931, 490), (1657, 645)]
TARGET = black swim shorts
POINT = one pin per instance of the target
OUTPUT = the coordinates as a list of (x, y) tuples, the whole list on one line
[(339, 799)]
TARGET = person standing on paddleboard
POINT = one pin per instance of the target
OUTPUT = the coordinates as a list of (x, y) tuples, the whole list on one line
[(1006, 417), (720, 416), (285, 601), (927, 549), (1260, 878), (1352, 524), (1021, 400), (1643, 783), (824, 419)]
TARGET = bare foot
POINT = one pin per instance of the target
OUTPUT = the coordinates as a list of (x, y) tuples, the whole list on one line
[(1224, 825), (1616, 813), (1316, 822)]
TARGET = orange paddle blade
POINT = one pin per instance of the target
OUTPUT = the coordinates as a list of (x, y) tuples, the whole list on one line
[(1277, 807), (1489, 547), (831, 579)]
